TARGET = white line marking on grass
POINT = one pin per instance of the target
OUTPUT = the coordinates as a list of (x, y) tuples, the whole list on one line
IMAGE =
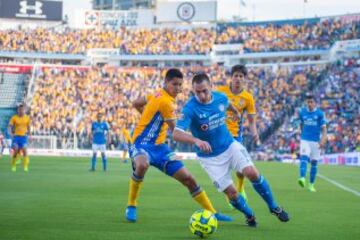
[(339, 185)]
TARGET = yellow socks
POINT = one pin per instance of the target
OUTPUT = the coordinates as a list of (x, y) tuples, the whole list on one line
[(202, 198), (240, 184), (26, 163), (134, 190), (13, 163)]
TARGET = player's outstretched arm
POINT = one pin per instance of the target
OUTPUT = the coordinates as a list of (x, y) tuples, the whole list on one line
[(323, 136), (181, 136), (139, 104), (253, 129)]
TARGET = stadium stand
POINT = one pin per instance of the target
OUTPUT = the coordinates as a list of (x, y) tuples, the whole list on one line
[(306, 34), (338, 96), (79, 94), (12, 92)]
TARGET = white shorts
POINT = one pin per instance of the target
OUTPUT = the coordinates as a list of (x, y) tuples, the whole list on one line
[(236, 157), (310, 149), (99, 147)]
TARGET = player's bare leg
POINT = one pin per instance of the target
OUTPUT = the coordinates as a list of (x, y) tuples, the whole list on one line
[(26, 160), (14, 158)]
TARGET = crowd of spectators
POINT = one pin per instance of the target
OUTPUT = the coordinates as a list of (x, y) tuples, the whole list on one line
[(255, 37), (289, 36), (66, 100), (128, 41), (338, 96)]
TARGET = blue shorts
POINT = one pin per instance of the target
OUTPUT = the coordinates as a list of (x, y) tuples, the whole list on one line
[(159, 156), (125, 146), (19, 142)]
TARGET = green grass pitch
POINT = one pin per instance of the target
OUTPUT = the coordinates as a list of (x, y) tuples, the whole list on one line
[(60, 199)]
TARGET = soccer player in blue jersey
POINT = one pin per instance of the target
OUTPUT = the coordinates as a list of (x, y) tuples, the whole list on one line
[(99, 131), (312, 124), (149, 148), (218, 152)]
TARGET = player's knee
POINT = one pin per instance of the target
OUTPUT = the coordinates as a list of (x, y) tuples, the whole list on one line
[(251, 173), (142, 165), (239, 175), (231, 192)]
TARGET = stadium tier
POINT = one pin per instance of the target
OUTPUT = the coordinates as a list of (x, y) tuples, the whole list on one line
[(306, 34)]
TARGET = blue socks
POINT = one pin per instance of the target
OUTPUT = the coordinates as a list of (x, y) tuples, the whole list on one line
[(241, 205), (104, 161), (303, 165), (313, 171), (263, 188), (93, 162)]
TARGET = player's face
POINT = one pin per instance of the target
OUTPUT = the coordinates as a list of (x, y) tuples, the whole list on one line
[(174, 86), (21, 111), (99, 117), (202, 91), (237, 79), (311, 104)]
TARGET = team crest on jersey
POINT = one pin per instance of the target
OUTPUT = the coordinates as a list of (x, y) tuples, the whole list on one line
[(204, 127), (222, 107)]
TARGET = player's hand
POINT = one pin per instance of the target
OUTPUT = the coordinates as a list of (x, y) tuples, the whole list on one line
[(203, 145), (322, 143), (256, 140), (235, 117)]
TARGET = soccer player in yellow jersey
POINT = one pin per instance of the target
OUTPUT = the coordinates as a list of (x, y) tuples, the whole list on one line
[(126, 142), (19, 127), (243, 101), (149, 148)]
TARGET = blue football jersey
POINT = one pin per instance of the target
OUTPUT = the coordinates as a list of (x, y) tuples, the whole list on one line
[(99, 130), (207, 122), (311, 124)]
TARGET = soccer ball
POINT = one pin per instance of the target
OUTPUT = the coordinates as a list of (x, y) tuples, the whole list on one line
[(203, 223)]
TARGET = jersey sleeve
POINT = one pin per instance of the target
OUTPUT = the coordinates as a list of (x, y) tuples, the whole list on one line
[(184, 120), (12, 121), (167, 110), (250, 107), (107, 127)]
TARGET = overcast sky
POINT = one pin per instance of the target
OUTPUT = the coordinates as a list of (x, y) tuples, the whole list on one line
[(260, 9)]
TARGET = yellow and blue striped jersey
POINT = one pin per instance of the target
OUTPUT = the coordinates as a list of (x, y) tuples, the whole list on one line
[(152, 127), (244, 101), (20, 124)]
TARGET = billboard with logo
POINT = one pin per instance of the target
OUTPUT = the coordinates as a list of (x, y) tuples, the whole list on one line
[(115, 18), (31, 9), (186, 11)]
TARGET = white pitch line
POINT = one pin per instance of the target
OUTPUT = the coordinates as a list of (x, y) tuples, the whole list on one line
[(339, 185)]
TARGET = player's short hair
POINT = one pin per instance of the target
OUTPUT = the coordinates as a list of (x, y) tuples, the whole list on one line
[(200, 77), (20, 105), (173, 73), (309, 96), (239, 68)]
